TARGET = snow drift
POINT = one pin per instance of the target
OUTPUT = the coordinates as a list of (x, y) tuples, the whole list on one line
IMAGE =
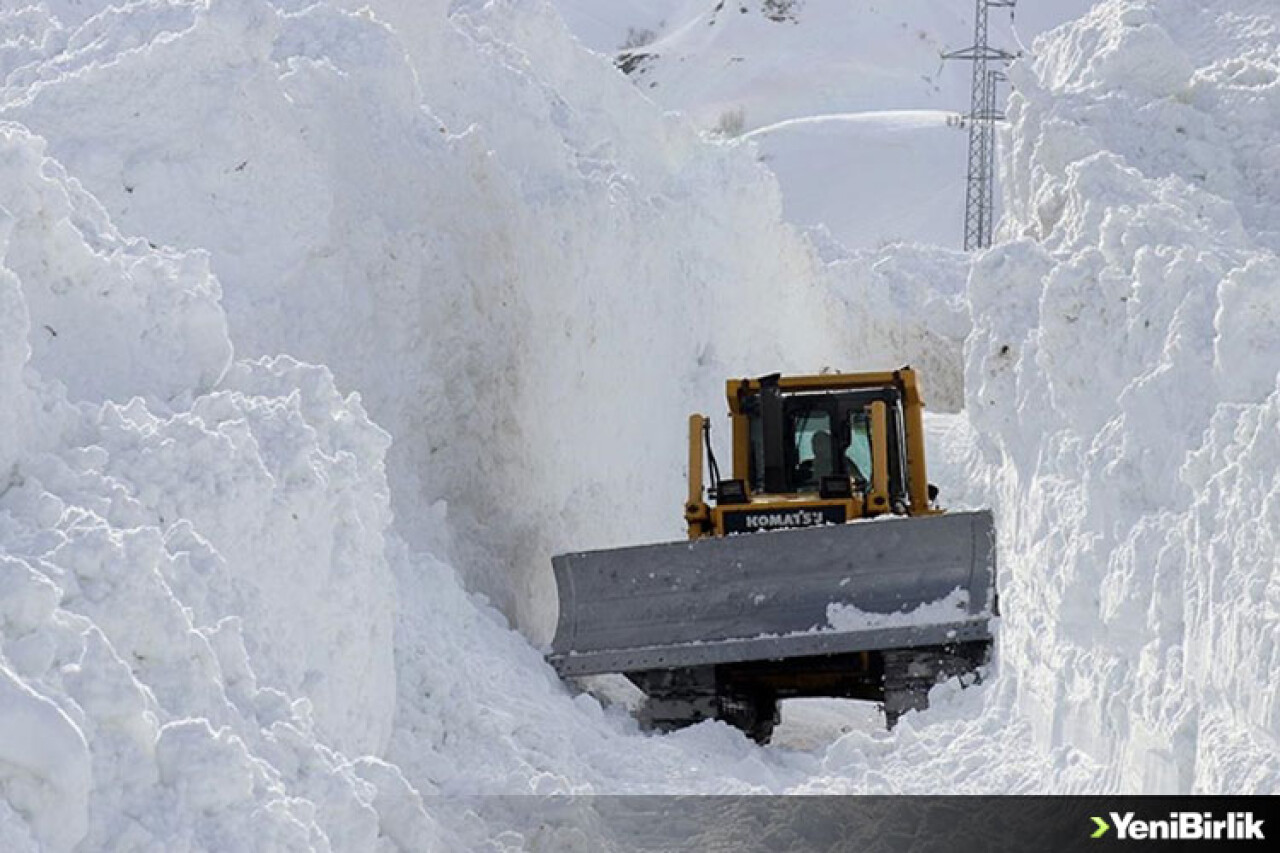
[(462, 229), (1122, 380), (230, 608), (199, 565), (196, 606)]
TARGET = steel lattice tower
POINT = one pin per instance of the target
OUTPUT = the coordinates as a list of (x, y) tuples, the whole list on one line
[(979, 204)]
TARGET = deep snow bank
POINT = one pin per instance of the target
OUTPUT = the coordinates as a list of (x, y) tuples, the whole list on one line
[(462, 220), (1122, 416), (905, 304), (198, 586), (195, 605), (1122, 380)]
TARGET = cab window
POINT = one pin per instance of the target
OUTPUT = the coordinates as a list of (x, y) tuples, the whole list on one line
[(813, 447)]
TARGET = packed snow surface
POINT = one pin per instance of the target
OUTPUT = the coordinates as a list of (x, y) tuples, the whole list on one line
[(322, 325)]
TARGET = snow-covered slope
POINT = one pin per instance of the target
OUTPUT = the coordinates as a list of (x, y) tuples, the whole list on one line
[(231, 613), (835, 96), (758, 62), (872, 178), (851, 104)]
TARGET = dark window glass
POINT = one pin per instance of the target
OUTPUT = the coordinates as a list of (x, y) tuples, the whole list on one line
[(813, 447)]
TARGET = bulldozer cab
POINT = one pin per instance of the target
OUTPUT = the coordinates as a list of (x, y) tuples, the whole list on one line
[(810, 450), (817, 437)]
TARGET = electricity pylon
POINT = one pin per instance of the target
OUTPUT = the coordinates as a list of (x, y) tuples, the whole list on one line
[(979, 202)]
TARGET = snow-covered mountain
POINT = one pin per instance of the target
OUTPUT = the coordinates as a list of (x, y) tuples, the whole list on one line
[(850, 104), (323, 324)]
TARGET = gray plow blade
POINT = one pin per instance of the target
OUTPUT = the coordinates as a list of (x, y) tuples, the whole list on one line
[(765, 596)]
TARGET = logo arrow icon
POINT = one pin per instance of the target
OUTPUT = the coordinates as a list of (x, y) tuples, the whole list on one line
[(1103, 826)]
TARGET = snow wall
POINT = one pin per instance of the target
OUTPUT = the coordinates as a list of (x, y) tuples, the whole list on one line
[(1121, 380), (208, 610), (463, 230)]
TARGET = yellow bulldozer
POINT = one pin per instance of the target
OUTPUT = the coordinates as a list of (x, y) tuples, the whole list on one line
[(821, 567)]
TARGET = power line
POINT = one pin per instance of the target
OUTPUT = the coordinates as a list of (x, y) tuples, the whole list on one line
[(979, 203)]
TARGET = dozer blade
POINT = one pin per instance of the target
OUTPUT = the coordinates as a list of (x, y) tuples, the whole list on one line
[(892, 583)]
